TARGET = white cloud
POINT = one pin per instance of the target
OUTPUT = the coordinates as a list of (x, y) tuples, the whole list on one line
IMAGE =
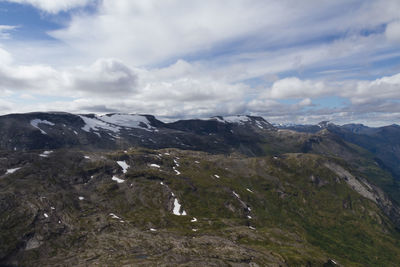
[(31, 78), (231, 56), (5, 57), (184, 89), (150, 31), (5, 106), (27, 96), (265, 106), (393, 31), (358, 91), (111, 85), (104, 77), (4, 31), (192, 90), (238, 67), (374, 102), (53, 6), (370, 91), (305, 102), (262, 37), (295, 88)]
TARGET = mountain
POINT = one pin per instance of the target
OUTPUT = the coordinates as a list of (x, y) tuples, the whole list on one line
[(382, 143), (130, 190), (111, 131)]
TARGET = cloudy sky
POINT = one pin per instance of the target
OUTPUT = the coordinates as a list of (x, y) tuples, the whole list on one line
[(287, 60)]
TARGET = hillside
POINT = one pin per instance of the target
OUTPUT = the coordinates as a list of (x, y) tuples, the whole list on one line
[(131, 190)]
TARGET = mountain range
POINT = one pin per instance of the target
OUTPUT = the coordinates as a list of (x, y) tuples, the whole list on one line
[(131, 190)]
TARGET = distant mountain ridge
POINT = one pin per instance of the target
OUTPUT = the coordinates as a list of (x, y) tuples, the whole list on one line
[(249, 135), (111, 131), (383, 142)]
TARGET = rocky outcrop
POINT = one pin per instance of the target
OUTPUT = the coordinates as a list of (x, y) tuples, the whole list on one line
[(368, 190)]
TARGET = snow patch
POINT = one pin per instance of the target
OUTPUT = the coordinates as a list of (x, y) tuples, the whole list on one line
[(216, 176), (123, 165), (10, 171), (236, 119), (96, 124), (252, 228), (35, 123), (177, 172), (177, 208), (249, 190), (236, 195), (86, 157), (114, 216), (128, 120), (81, 198), (195, 230), (45, 215), (259, 125), (153, 230), (45, 154), (155, 165), (118, 180), (193, 220)]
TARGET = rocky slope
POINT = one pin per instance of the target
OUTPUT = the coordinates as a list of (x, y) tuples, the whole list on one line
[(173, 207)]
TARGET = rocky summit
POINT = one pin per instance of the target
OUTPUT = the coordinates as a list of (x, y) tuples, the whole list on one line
[(131, 190)]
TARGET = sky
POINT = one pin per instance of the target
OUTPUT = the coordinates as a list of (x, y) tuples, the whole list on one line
[(289, 61)]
